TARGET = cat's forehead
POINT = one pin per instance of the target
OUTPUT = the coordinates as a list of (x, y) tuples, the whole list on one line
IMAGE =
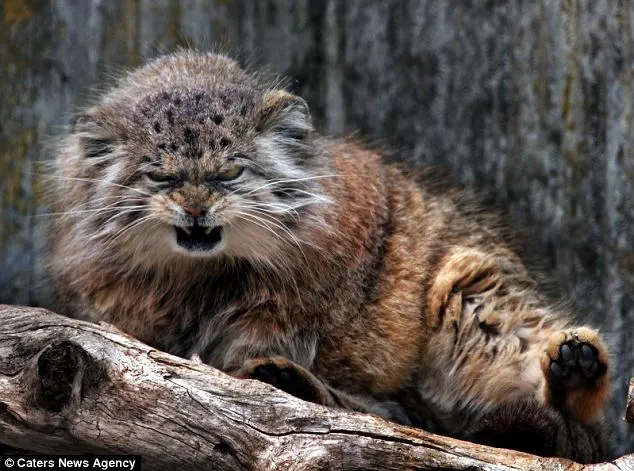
[(193, 122)]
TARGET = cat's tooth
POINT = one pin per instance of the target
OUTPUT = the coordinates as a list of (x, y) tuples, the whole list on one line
[(186, 231), (208, 231)]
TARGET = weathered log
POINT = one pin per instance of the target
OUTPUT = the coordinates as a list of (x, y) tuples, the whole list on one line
[(72, 386)]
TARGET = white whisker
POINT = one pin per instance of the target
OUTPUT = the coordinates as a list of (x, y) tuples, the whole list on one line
[(93, 211), (96, 180), (285, 181), (286, 230), (110, 240), (123, 213), (273, 209)]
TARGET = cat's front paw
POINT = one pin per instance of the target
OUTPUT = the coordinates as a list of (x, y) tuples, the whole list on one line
[(287, 376), (575, 365)]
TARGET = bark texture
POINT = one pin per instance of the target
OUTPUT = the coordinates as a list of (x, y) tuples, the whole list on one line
[(71, 386), (532, 102)]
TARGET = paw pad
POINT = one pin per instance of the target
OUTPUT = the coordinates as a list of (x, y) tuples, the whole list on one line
[(272, 374), (576, 364)]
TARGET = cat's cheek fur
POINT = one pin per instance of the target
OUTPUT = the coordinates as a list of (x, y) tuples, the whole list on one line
[(251, 241)]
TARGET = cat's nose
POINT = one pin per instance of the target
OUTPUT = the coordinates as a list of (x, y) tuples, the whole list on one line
[(194, 211)]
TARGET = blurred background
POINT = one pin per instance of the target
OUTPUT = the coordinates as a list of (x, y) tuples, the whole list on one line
[(531, 102)]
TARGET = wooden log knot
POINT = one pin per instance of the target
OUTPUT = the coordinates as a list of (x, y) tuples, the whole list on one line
[(64, 372)]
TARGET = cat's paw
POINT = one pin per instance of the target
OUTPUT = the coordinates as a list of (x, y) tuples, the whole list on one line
[(575, 365), (287, 376)]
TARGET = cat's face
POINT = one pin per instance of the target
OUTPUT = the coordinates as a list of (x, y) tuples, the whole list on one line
[(198, 173)]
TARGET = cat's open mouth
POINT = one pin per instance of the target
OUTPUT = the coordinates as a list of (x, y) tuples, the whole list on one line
[(198, 238)]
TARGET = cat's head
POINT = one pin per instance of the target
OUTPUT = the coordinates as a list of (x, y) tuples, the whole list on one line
[(193, 157)]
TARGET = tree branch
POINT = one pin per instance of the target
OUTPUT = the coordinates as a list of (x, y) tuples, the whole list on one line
[(73, 386)]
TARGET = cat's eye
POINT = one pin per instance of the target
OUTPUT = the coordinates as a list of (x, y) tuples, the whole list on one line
[(160, 177), (231, 173)]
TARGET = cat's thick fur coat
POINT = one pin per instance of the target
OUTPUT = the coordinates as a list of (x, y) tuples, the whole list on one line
[(318, 268)]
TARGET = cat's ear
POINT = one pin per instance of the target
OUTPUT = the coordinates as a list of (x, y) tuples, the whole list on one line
[(284, 113), (94, 138)]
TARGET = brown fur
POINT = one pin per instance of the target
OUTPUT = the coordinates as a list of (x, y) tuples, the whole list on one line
[(388, 296)]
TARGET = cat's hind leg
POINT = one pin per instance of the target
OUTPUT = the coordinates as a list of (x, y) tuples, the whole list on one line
[(575, 366), (532, 427), (511, 367)]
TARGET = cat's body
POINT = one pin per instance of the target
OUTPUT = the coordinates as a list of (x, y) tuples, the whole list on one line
[(310, 264)]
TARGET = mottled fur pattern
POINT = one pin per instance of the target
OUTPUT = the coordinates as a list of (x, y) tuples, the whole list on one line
[(333, 275)]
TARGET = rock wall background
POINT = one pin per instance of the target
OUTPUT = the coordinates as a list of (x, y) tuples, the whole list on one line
[(529, 101)]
